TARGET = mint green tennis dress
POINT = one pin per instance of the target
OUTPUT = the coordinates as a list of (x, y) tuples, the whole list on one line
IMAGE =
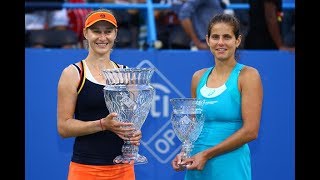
[(223, 118)]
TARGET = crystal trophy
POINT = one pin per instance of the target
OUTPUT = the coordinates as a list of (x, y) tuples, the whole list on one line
[(187, 121), (128, 93)]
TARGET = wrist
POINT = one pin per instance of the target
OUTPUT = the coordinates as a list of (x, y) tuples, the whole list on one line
[(206, 155), (100, 124)]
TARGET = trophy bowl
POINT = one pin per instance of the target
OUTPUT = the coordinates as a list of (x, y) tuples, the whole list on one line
[(187, 121), (128, 93)]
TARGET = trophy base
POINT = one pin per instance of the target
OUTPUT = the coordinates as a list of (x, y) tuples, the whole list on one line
[(138, 159)]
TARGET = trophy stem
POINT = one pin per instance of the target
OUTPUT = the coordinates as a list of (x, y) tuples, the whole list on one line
[(130, 153), (186, 149)]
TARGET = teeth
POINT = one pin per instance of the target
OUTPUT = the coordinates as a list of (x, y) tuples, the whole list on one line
[(102, 44)]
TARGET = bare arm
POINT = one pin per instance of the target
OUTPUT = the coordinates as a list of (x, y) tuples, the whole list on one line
[(66, 103), (270, 13), (251, 102), (188, 28)]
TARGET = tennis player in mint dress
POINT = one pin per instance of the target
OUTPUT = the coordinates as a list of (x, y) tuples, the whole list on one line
[(233, 94)]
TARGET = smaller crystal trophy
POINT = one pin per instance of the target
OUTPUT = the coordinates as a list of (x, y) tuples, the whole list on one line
[(187, 121)]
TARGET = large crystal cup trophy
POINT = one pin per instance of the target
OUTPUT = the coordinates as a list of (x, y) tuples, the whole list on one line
[(128, 93), (187, 121)]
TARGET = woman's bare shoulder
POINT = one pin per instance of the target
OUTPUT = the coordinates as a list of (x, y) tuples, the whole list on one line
[(197, 74), (249, 71)]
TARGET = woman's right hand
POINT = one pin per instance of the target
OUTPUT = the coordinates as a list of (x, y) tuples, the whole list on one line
[(123, 130)]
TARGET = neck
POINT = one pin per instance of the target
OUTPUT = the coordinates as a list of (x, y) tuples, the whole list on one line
[(96, 66), (98, 58), (222, 68)]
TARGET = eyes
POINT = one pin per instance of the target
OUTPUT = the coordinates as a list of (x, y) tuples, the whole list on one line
[(98, 31), (224, 37)]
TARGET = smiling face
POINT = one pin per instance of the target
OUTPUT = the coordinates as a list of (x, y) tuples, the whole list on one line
[(101, 36), (222, 41), (223, 36)]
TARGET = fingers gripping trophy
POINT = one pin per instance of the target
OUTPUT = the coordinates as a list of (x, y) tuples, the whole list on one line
[(128, 92), (187, 121)]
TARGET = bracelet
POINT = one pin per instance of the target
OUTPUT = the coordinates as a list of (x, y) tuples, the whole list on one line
[(101, 124)]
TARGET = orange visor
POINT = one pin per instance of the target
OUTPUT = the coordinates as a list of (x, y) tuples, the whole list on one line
[(98, 16)]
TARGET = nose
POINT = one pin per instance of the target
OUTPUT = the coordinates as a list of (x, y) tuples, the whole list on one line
[(220, 40), (103, 35)]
